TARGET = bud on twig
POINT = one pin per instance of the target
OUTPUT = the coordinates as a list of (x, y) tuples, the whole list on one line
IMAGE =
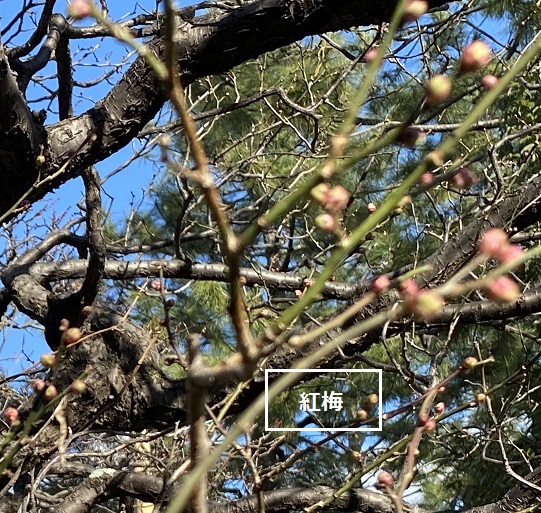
[(71, 336), (414, 9), (47, 360), (79, 9), (50, 393), (489, 82), (503, 290), (11, 415), (470, 362), (437, 89), (78, 387), (474, 57), (380, 284), (385, 479), (439, 408)]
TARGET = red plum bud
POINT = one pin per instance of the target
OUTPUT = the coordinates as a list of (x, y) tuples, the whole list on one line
[(492, 242), (423, 419), (380, 284), (489, 82), (408, 288), (427, 179), (337, 198), (79, 9), (385, 479), (37, 385), (510, 253), (430, 425), (474, 57), (370, 55), (326, 222), (11, 415), (503, 290)]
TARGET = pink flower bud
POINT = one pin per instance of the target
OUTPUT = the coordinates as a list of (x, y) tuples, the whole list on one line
[(380, 284), (503, 290), (470, 362), (427, 179), (439, 408), (408, 288), (492, 242), (430, 425), (480, 398), (156, 285), (414, 9), (37, 385), (437, 89), (370, 55), (326, 222), (385, 479), (11, 415), (337, 198), (474, 57), (371, 207), (411, 137), (489, 82), (71, 336), (79, 9), (463, 178), (509, 253)]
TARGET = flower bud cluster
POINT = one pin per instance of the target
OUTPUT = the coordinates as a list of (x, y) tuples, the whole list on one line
[(333, 200), (422, 303), (495, 244)]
